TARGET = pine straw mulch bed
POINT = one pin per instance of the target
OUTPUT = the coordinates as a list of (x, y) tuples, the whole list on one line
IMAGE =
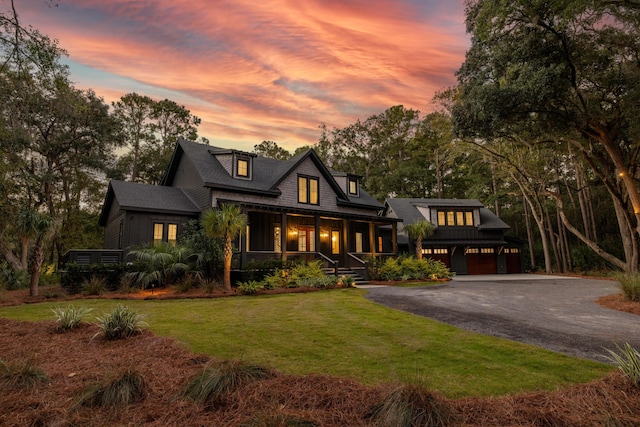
[(74, 361)]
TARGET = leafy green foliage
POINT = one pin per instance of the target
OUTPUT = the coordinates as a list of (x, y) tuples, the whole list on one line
[(69, 317), (250, 287), (94, 285), (630, 285), (162, 264), (12, 279), (409, 405), (122, 322), (73, 277), (405, 268), (21, 374), (628, 361), (126, 389), (214, 382), (299, 274), (209, 250)]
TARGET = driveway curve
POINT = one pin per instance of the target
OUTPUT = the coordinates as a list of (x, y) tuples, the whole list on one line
[(553, 312)]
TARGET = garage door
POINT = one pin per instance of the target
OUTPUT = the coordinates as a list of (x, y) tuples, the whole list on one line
[(481, 261), (512, 256), (438, 254)]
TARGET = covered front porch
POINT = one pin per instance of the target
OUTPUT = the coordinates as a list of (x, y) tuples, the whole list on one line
[(338, 240)]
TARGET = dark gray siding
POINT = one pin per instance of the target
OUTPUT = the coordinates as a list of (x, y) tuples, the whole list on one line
[(139, 227)]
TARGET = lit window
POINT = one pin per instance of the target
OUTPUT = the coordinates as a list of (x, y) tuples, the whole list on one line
[(277, 239), (359, 242), (441, 251), (313, 191), (380, 247), (308, 190), (487, 251), (459, 218), (469, 218), (243, 167), (158, 233), (353, 187), (172, 234), (306, 240), (442, 220), (335, 242), (451, 218)]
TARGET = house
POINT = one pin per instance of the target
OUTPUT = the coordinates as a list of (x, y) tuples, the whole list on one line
[(296, 208), (468, 237)]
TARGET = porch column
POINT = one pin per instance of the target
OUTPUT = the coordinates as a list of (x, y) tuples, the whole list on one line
[(283, 235), (372, 239), (345, 238), (317, 233), (394, 237), (244, 244)]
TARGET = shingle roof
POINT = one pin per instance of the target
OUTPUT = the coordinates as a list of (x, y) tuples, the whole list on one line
[(149, 198), (267, 173), (406, 209)]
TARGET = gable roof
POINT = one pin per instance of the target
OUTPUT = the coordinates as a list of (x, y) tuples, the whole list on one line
[(145, 197), (267, 173), (407, 210)]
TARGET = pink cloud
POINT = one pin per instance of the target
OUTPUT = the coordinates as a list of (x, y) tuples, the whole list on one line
[(277, 67)]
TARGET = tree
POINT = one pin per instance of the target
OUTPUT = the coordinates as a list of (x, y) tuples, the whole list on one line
[(271, 150), (417, 231), (227, 222), (152, 128), (35, 226), (563, 71)]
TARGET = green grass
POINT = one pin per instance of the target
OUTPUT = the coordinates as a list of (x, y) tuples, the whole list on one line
[(343, 334)]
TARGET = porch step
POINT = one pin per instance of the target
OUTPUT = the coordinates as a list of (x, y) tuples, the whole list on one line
[(344, 271)]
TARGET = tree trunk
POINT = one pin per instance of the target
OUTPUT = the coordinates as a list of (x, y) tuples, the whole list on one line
[(527, 221), (36, 267), (419, 248), (228, 254)]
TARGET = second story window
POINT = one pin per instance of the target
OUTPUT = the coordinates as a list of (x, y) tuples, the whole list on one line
[(353, 186), (455, 219), (243, 167), (308, 190)]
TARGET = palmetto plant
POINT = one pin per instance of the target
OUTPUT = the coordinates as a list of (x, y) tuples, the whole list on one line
[(162, 264), (227, 222), (417, 231)]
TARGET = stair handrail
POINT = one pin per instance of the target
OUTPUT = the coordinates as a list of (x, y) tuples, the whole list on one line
[(363, 263), (332, 263)]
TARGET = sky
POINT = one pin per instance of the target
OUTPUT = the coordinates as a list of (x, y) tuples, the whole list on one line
[(257, 70)]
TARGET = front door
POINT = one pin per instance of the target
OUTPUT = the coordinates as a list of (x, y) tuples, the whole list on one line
[(336, 245)]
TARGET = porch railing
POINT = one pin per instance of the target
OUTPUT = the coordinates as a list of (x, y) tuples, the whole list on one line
[(330, 262), (358, 265)]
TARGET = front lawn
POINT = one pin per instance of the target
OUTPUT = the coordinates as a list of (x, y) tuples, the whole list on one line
[(340, 333)]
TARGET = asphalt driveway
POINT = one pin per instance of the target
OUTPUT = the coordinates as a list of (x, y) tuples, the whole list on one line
[(557, 313)]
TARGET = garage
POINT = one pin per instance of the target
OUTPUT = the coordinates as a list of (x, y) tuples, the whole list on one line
[(481, 261)]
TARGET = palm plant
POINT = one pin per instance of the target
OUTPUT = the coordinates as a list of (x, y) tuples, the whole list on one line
[(227, 222), (162, 263), (417, 231)]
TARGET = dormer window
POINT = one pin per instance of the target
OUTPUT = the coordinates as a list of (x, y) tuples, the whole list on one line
[(242, 167), (451, 218), (352, 186)]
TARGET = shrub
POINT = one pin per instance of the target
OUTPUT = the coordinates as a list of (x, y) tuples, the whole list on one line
[(406, 268), (127, 284), (628, 361), (94, 286), (347, 281), (250, 287), (412, 406), (11, 279), (277, 279), (214, 382), (122, 322), (320, 282), (69, 317), (630, 285), (74, 275), (24, 374), (124, 390), (390, 270)]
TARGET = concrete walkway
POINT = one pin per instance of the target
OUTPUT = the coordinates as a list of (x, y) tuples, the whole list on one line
[(554, 312)]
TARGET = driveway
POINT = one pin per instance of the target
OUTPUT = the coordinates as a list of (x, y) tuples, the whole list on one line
[(553, 312)]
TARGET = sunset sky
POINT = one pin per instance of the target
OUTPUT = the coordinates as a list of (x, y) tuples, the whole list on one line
[(261, 70)]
